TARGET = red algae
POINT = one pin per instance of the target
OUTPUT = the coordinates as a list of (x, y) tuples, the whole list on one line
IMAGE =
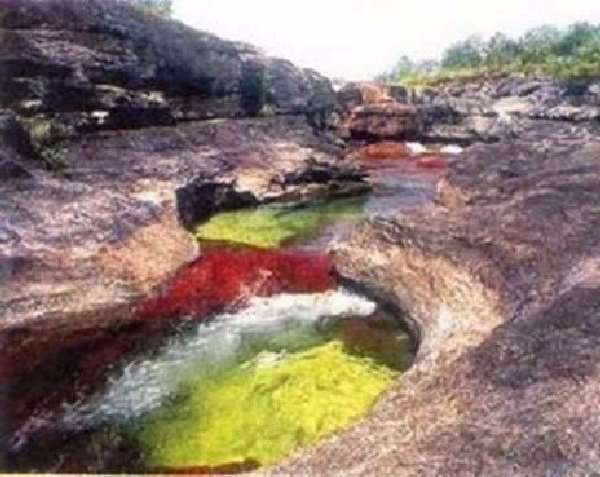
[(431, 161), (223, 277)]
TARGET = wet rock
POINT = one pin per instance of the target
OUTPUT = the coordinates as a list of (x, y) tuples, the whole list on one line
[(250, 186), (90, 237), (200, 199), (85, 86)]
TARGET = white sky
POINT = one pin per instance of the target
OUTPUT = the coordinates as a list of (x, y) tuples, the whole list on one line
[(357, 39)]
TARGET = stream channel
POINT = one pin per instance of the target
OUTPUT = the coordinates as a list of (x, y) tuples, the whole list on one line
[(247, 354)]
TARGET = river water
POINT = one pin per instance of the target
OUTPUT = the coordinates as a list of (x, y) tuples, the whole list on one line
[(248, 354)]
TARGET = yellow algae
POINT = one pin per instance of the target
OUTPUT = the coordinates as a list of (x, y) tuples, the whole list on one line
[(265, 409), (271, 226)]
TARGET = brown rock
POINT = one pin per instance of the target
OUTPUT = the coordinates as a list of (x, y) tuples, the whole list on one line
[(384, 150), (355, 94), (383, 121)]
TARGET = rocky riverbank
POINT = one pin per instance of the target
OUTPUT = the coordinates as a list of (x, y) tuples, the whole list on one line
[(502, 281), (118, 130)]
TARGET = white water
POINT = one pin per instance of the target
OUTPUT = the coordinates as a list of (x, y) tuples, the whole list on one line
[(416, 147), (451, 149), (280, 323)]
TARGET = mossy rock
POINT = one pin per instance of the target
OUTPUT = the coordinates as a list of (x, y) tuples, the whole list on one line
[(264, 410), (273, 226), (48, 137)]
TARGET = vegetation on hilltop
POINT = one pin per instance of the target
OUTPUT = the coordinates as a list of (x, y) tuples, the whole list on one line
[(162, 8), (546, 50)]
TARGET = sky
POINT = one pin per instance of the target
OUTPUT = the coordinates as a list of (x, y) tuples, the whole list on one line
[(358, 39)]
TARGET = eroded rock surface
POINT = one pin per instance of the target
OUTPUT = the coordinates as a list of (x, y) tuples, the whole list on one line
[(501, 280), (63, 232), (489, 109), (464, 113)]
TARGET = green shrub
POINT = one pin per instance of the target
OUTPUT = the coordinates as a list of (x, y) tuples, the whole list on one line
[(570, 53), (163, 8), (48, 138)]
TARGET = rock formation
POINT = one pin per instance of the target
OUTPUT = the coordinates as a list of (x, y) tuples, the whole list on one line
[(457, 113), (104, 64), (103, 154), (501, 282)]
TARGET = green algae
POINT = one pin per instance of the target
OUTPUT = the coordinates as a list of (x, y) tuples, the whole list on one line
[(272, 226), (263, 410)]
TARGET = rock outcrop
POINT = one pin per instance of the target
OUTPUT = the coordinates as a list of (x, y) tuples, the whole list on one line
[(384, 121), (490, 109), (464, 113), (66, 237), (370, 113), (102, 64), (499, 279)]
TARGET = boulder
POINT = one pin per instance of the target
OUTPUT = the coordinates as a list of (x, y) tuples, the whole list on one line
[(382, 121), (355, 94), (201, 198)]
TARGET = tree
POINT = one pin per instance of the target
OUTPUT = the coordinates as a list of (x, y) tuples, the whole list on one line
[(500, 50), (578, 35), (403, 67), (426, 66), (590, 50), (539, 43), (465, 54)]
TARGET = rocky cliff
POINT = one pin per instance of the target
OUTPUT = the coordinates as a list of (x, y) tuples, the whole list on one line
[(102, 63)]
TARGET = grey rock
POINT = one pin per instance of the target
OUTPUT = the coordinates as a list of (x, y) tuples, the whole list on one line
[(139, 69), (12, 169), (528, 87)]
